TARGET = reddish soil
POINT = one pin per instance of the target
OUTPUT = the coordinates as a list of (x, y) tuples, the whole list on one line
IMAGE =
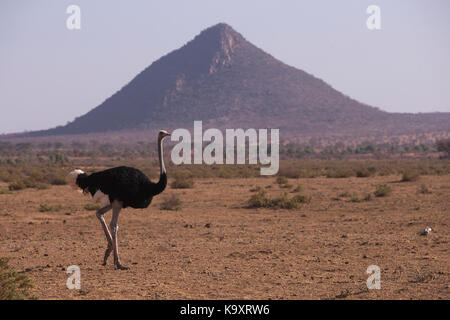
[(215, 248)]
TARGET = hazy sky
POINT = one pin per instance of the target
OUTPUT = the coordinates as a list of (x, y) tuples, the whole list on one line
[(49, 75)]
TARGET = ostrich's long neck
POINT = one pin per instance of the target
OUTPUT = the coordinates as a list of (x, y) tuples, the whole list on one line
[(161, 185), (162, 168)]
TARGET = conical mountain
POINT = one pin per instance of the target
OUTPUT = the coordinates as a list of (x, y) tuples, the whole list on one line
[(222, 79)]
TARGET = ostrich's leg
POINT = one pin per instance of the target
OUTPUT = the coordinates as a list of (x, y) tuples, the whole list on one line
[(100, 217), (116, 206)]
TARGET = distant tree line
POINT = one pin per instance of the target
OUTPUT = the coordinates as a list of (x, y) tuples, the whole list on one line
[(59, 152)]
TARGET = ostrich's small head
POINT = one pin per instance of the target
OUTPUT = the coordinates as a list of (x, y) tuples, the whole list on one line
[(72, 178), (162, 134)]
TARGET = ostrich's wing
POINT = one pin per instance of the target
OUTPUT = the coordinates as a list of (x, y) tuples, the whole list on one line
[(122, 183)]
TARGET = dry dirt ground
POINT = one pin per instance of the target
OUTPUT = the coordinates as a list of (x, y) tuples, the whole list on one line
[(215, 248)]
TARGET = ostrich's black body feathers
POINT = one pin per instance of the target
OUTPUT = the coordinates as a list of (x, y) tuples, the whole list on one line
[(125, 184)]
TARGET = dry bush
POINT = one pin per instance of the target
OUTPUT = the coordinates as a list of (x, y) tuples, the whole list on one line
[(289, 172), (173, 202), (340, 173), (410, 175), (42, 186), (383, 190), (444, 146), (364, 173), (282, 180), (58, 181), (15, 186), (261, 200), (256, 189), (182, 180)]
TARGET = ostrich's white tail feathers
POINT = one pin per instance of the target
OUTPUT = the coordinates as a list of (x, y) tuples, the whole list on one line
[(72, 178)]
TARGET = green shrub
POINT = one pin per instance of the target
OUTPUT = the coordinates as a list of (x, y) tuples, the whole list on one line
[(383, 190), (13, 286)]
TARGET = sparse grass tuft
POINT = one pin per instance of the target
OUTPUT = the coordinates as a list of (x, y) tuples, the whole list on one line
[(13, 286), (424, 189), (423, 277), (344, 194), (92, 206), (5, 191), (256, 189), (49, 208)]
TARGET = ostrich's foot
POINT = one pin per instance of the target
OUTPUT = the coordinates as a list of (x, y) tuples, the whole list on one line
[(119, 266)]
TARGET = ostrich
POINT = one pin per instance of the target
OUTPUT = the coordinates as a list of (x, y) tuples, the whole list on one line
[(118, 188)]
